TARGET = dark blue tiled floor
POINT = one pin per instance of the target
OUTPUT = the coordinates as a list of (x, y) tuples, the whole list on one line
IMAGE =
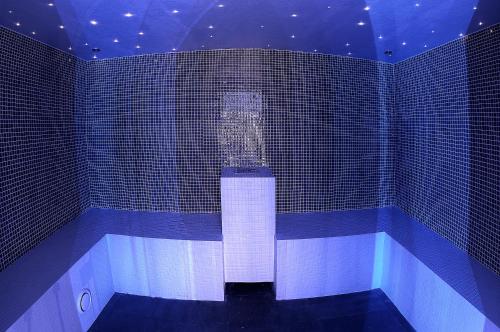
[(251, 307)]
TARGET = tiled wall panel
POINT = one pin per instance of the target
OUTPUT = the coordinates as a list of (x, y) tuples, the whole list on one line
[(158, 133), (327, 131), (42, 165), (448, 151), (131, 133), (483, 63)]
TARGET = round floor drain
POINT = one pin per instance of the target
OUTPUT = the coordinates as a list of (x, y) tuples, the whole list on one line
[(84, 300)]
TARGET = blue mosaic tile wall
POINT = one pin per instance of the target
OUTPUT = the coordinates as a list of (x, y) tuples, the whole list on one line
[(152, 133), (131, 133), (483, 63), (158, 131), (448, 151), (42, 165)]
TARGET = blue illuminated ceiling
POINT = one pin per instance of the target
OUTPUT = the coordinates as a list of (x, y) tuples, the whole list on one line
[(364, 29)]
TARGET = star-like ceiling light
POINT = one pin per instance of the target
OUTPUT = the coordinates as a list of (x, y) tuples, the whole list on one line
[(175, 11), (93, 22), (361, 23), (128, 14), (367, 8)]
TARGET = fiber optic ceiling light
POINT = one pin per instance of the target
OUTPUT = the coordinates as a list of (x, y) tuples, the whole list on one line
[(321, 26)]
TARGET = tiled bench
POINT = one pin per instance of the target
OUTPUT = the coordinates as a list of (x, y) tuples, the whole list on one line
[(105, 251), (435, 285)]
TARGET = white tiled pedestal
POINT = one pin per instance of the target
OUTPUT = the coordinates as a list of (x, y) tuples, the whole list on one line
[(248, 225)]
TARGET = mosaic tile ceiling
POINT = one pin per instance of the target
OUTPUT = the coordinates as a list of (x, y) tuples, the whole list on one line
[(387, 30)]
